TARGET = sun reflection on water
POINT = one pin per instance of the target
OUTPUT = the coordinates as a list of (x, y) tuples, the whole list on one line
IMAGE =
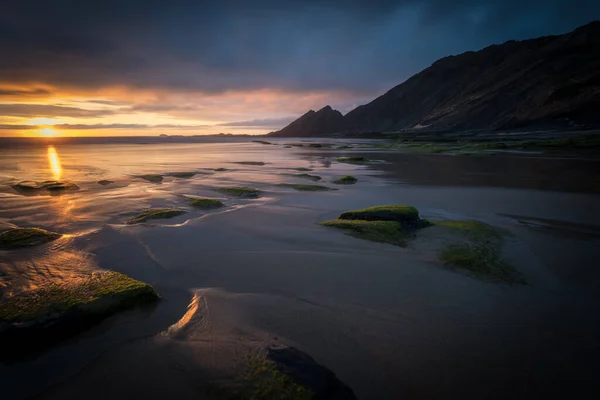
[(54, 163)]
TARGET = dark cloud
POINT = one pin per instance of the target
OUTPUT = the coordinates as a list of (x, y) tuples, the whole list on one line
[(10, 127), (24, 92), (44, 110), (355, 46)]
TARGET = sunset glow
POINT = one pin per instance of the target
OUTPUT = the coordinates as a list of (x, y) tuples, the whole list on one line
[(54, 163)]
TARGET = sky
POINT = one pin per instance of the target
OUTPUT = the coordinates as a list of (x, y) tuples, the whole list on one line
[(132, 67)]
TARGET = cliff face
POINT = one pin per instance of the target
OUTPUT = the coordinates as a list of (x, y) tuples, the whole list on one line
[(549, 82)]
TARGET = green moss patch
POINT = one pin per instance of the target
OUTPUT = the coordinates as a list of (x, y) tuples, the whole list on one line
[(376, 231), (154, 213), (305, 188), (105, 182), (346, 180), (26, 237), (101, 293), (184, 175), (262, 380), (240, 191), (154, 178), (480, 256), (258, 163), (207, 204)]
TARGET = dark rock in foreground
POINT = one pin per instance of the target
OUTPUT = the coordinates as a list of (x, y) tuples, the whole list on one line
[(305, 371)]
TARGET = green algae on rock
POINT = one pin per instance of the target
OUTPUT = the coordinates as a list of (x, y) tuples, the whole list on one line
[(240, 191), (154, 178), (262, 379), (395, 212), (105, 182), (219, 169), (206, 203), (26, 237), (376, 231), (35, 187), (346, 180), (305, 188), (480, 255), (102, 293), (391, 224), (154, 213)]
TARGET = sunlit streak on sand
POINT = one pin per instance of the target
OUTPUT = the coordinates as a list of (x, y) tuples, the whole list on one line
[(54, 163)]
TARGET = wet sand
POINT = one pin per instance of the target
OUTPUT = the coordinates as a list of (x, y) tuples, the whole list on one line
[(389, 321)]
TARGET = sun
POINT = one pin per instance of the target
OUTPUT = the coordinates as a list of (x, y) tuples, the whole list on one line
[(47, 132)]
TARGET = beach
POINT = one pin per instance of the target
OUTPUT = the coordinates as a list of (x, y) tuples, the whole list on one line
[(389, 321)]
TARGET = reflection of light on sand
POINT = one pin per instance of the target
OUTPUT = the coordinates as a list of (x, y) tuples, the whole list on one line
[(54, 162)]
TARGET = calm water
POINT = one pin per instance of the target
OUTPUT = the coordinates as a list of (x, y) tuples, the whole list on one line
[(380, 318)]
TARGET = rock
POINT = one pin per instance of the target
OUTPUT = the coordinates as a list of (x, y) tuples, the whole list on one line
[(26, 237), (105, 182), (154, 213), (44, 187), (305, 371), (240, 191)]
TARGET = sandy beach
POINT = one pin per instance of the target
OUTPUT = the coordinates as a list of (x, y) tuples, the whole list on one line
[(391, 322)]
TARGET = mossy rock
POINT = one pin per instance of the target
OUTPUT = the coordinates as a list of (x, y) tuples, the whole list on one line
[(262, 379), (308, 176), (154, 213), (287, 147), (206, 203), (295, 144), (376, 231), (346, 180), (258, 163), (354, 160), (105, 182), (303, 169), (184, 175), (305, 188), (154, 178), (240, 191), (34, 187), (219, 169), (316, 145), (261, 142), (480, 256), (399, 213), (26, 237), (101, 294), (344, 148)]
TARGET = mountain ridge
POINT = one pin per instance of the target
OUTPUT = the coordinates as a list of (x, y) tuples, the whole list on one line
[(550, 82)]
